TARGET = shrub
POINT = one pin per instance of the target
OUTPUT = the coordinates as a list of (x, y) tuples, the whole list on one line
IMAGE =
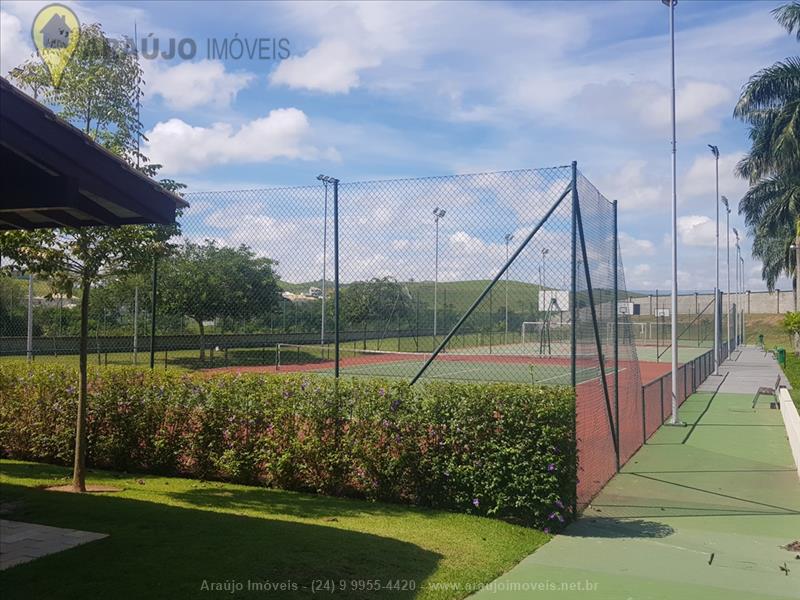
[(494, 449)]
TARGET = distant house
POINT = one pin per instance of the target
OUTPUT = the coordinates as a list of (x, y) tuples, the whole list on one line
[(55, 34)]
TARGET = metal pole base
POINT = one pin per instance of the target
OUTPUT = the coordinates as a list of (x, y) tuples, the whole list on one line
[(675, 424)]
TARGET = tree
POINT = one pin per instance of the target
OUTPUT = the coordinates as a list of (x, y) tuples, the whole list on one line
[(100, 92), (379, 299), (205, 282), (770, 105)]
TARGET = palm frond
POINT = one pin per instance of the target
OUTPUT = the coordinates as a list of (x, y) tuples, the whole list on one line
[(771, 87), (788, 15)]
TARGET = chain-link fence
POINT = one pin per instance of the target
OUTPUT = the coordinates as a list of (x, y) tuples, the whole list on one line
[(512, 276)]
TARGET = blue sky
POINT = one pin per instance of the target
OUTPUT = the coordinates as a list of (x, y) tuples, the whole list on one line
[(375, 91)]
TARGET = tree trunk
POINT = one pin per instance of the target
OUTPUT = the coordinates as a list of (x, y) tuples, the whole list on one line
[(202, 339), (364, 339), (79, 468)]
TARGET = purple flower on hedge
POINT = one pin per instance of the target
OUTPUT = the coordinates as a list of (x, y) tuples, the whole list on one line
[(559, 504), (551, 467), (395, 405), (71, 390), (546, 530), (476, 503), (381, 392), (560, 518)]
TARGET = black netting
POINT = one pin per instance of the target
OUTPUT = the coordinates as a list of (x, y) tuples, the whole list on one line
[(424, 294)]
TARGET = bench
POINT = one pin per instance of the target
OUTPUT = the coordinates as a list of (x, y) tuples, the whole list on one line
[(769, 391)]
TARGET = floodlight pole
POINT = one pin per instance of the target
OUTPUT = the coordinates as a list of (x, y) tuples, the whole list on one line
[(744, 292), (717, 307), (728, 267), (674, 420), (796, 247), (738, 287), (508, 237)]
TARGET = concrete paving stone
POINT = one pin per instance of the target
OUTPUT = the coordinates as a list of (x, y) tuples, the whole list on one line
[(23, 542)]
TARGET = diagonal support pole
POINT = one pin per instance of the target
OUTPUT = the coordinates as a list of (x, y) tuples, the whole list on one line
[(596, 330), (489, 287)]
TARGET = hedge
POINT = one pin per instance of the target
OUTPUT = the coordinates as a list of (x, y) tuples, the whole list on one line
[(500, 450)]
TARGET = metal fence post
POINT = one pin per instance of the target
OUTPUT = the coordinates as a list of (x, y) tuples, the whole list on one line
[(574, 276), (644, 417), (616, 330), (336, 272), (153, 313), (29, 340)]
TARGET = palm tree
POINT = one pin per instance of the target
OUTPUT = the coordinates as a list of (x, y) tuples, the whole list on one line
[(770, 105), (788, 15)]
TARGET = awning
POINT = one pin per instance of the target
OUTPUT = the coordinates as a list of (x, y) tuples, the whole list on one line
[(54, 175)]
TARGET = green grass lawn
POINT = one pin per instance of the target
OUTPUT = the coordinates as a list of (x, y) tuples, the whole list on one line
[(168, 535)]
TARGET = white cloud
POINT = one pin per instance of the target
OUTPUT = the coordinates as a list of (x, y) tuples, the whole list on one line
[(283, 133), (332, 66), (635, 248), (699, 180), (696, 230), (15, 45), (633, 186), (694, 101), (192, 84)]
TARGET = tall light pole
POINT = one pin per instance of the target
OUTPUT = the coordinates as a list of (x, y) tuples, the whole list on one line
[(796, 248), (717, 307), (728, 266), (674, 420), (744, 292), (438, 213), (738, 286), (324, 180), (508, 238)]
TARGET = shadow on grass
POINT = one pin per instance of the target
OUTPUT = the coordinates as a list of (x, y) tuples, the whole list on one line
[(247, 357), (610, 527), (215, 495), (159, 551), (291, 504)]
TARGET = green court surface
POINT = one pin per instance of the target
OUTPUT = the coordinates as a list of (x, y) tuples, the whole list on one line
[(453, 367), (700, 512), (656, 354)]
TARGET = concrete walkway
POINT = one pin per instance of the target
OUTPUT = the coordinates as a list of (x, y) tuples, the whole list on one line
[(745, 372), (23, 542), (700, 512)]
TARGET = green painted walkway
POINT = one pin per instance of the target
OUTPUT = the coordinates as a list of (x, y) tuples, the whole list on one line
[(698, 513)]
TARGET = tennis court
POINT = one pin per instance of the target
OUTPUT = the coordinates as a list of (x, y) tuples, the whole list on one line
[(473, 364)]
